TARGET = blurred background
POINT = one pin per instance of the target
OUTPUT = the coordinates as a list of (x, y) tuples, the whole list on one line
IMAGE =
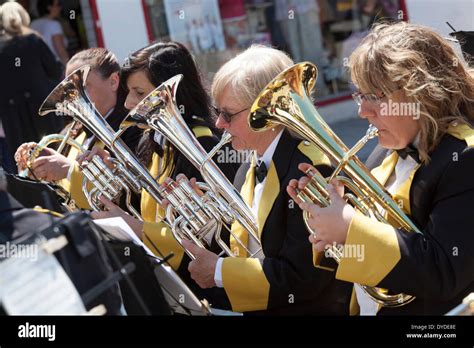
[(324, 32)]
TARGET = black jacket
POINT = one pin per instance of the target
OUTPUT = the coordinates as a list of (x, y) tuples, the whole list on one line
[(437, 266), (29, 71)]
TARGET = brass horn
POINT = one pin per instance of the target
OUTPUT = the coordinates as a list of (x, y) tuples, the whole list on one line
[(63, 139), (286, 101), (191, 216), (65, 197), (70, 98)]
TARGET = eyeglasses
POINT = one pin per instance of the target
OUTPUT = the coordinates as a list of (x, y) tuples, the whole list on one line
[(371, 98), (225, 115)]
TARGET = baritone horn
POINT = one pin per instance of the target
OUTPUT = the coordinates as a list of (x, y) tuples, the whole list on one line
[(286, 101), (70, 98), (191, 216), (64, 196), (63, 139)]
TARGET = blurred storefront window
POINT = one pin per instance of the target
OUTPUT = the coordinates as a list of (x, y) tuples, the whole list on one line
[(324, 32), (321, 31)]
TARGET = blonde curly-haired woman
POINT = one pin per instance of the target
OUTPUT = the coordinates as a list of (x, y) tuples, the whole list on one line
[(420, 96)]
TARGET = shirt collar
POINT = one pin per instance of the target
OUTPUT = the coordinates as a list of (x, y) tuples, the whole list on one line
[(416, 141), (268, 154), (414, 144)]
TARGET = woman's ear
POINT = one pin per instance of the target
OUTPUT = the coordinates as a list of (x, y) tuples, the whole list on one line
[(114, 80)]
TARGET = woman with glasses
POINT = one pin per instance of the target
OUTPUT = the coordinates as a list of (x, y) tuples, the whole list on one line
[(420, 96), (281, 278)]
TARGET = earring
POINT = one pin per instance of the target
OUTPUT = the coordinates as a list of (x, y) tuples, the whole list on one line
[(273, 129)]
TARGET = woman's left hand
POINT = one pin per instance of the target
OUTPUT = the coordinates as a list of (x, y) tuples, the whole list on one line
[(330, 223), (113, 210)]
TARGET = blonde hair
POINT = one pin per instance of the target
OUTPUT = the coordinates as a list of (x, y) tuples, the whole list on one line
[(249, 72), (417, 60), (14, 19)]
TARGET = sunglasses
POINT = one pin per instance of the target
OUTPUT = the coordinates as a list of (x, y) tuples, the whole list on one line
[(225, 115), (371, 98)]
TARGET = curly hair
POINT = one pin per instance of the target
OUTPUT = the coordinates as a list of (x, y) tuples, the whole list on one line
[(417, 60)]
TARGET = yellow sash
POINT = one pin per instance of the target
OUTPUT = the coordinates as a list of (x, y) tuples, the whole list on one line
[(247, 194)]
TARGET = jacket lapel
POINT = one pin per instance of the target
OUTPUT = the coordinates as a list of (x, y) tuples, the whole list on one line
[(151, 211), (384, 170), (402, 194), (269, 194), (276, 173), (246, 191), (148, 204)]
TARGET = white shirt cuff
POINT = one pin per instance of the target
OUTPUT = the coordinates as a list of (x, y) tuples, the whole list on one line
[(218, 273)]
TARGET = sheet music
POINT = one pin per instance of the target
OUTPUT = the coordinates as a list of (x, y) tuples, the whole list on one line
[(120, 230), (169, 280), (38, 287)]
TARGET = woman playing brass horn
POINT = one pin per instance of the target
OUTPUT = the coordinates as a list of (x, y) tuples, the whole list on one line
[(420, 96), (281, 279)]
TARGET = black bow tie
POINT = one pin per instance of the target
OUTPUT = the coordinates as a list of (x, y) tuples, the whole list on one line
[(411, 151), (260, 171)]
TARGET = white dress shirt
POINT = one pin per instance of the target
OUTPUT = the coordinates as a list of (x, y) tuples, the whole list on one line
[(257, 195)]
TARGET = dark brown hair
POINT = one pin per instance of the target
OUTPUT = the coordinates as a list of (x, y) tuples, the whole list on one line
[(100, 59), (161, 61)]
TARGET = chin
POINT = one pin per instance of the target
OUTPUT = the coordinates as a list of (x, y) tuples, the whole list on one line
[(392, 145), (387, 142), (236, 145)]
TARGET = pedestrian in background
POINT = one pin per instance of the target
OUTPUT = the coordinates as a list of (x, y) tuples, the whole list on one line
[(50, 28), (29, 71)]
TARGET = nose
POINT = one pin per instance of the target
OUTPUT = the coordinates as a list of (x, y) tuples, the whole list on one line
[(365, 111), (221, 123), (129, 103)]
